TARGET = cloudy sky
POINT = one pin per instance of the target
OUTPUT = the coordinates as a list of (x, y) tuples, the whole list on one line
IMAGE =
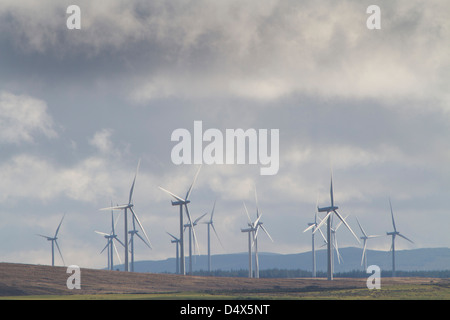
[(79, 108)]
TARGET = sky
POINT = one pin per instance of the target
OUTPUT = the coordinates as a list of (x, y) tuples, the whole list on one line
[(80, 108)]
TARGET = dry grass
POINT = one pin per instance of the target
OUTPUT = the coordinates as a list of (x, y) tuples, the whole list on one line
[(24, 280)]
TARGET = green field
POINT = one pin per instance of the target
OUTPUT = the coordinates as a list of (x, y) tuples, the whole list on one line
[(398, 292)]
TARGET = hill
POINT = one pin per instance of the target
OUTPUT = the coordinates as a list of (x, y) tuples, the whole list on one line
[(424, 259), (47, 281)]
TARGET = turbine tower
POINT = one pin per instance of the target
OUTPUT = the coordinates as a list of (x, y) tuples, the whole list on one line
[(329, 210), (54, 241), (365, 237), (177, 243), (191, 225), (209, 225), (394, 234), (182, 202), (125, 208), (110, 245)]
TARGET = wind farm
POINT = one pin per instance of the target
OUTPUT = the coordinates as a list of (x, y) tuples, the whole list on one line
[(252, 231), (322, 216)]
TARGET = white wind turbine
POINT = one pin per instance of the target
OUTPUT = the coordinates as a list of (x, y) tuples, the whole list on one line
[(54, 241), (253, 229), (329, 210), (191, 225), (177, 243), (259, 225), (365, 237), (110, 245), (394, 234), (334, 243), (183, 202), (133, 233), (250, 231), (125, 207), (211, 224), (313, 226)]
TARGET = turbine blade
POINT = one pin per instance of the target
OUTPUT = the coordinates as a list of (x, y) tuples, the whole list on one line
[(117, 239), (331, 191), (41, 235), (310, 227), (212, 212), (321, 233), (134, 181), (101, 233), (255, 236), (107, 245), (218, 238), (392, 215), (257, 220), (140, 226), (323, 221), (57, 246), (193, 182), (364, 251), (265, 230), (121, 207), (360, 227), (172, 194), (199, 218), (57, 230), (399, 234), (192, 227), (246, 211), (345, 223), (256, 201), (336, 247), (175, 238), (117, 253), (143, 240)]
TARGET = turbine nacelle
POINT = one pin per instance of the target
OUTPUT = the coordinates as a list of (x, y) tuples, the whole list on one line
[(180, 203), (327, 209)]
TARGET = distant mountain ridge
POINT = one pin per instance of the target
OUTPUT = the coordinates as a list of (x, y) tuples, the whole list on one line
[(424, 259)]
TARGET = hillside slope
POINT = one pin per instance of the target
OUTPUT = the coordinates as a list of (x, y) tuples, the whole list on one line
[(23, 279)]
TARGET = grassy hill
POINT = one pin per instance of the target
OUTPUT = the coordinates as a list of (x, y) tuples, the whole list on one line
[(45, 282)]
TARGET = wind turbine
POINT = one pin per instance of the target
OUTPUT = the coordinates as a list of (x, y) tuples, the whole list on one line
[(258, 225), (191, 225), (394, 234), (329, 210), (54, 241), (177, 243), (250, 230), (132, 234), (334, 244), (253, 230), (183, 202), (209, 225), (125, 207), (110, 245), (313, 227), (365, 237)]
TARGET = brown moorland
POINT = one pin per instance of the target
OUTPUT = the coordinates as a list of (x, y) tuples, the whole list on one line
[(24, 279)]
